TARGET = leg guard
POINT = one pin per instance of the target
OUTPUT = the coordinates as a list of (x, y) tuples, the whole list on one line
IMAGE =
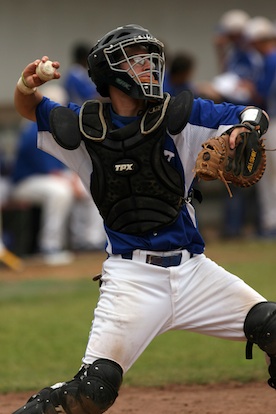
[(93, 390), (260, 329)]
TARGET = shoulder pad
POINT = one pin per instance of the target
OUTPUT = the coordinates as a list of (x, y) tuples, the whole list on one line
[(92, 121), (64, 125), (179, 111)]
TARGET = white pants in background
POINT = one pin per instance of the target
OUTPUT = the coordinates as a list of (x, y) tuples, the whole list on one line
[(63, 215), (86, 226)]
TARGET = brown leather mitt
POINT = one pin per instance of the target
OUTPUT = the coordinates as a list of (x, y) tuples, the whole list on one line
[(242, 166)]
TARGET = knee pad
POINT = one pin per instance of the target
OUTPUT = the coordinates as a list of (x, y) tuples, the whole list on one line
[(260, 328), (93, 390), (100, 383)]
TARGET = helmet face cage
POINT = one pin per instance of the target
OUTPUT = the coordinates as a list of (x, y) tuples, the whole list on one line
[(150, 81)]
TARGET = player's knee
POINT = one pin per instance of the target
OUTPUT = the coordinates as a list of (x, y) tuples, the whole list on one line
[(100, 383), (93, 390), (260, 326)]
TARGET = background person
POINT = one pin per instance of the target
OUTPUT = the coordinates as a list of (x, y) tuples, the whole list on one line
[(76, 82), (180, 74), (239, 67), (260, 34)]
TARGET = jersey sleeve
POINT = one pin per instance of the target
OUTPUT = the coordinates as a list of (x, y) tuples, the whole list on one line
[(207, 114)]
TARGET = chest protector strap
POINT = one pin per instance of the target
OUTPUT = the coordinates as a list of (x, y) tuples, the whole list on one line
[(134, 186)]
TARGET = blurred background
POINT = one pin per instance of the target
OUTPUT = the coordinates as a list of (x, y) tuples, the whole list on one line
[(29, 30)]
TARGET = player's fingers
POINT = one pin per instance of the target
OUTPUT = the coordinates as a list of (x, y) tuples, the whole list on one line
[(232, 140), (234, 137), (44, 58)]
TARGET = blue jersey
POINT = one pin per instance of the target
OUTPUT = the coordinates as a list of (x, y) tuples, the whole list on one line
[(207, 119), (247, 64), (78, 85), (29, 159)]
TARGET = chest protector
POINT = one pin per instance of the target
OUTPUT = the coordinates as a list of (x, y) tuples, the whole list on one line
[(133, 185)]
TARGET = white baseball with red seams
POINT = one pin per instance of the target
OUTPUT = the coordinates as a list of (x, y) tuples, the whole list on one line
[(45, 70)]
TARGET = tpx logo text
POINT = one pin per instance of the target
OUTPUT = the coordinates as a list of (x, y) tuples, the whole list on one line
[(125, 166)]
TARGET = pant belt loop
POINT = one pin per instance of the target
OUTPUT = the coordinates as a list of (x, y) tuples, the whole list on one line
[(127, 255)]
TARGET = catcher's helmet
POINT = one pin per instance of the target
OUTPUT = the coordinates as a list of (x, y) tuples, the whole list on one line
[(106, 58)]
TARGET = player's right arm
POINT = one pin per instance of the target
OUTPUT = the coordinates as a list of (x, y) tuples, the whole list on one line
[(26, 95)]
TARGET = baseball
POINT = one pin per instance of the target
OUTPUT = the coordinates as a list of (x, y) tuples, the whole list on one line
[(45, 71)]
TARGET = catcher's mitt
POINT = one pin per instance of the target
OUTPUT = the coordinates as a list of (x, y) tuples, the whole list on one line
[(242, 166)]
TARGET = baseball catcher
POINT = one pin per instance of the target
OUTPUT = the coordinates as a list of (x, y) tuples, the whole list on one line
[(136, 153), (242, 166)]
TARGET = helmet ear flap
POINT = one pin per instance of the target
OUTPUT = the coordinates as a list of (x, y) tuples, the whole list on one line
[(99, 74)]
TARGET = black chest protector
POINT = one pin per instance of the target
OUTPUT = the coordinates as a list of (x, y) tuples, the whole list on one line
[(133, 185)]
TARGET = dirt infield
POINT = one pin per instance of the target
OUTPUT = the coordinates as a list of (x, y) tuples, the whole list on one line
[(209, 399)]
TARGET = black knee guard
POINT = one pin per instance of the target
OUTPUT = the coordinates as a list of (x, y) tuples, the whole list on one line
[(93, 390), (100, 383), (260, 329)]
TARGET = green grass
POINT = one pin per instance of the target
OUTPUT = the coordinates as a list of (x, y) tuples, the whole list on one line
[(44, 328)]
